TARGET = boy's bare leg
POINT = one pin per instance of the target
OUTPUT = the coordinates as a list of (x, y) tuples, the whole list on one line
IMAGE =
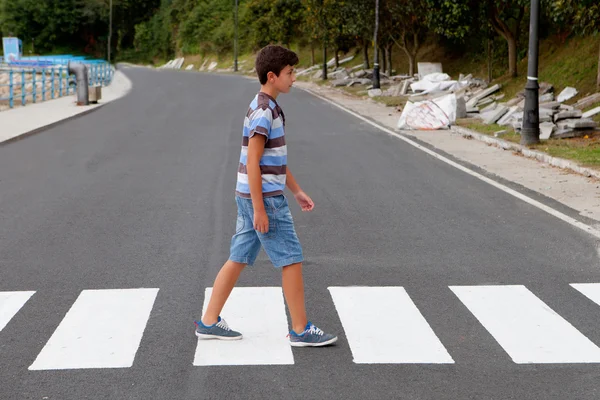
[(293, 290), (224, 283)]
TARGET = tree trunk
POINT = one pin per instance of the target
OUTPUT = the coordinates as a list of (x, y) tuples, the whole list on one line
[(598, 79), (365, 55), (312, 53), (489, 59), (389, 58), (337, 58), (383, 59), (512, 56), (411, 63), (504, 30)]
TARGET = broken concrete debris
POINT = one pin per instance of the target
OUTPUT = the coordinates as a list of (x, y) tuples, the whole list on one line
[(471, 98), (566, 94)]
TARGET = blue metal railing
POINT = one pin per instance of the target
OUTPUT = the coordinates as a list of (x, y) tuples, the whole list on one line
[(33, 80)]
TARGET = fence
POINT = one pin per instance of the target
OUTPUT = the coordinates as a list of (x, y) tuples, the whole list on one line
[(23, 85)]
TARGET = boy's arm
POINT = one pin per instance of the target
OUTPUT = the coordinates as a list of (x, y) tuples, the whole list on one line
[(304, 201), (256, 148)]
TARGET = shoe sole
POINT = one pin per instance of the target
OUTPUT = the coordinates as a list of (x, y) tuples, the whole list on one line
[(204, 336), (320, 344)]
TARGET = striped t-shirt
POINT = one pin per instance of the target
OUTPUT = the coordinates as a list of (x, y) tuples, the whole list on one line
[(264, 117)]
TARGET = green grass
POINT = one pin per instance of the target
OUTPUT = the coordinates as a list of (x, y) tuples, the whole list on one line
[(573, 63), (585, 150)]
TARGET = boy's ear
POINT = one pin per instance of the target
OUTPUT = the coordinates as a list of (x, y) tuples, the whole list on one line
[(271, 76)]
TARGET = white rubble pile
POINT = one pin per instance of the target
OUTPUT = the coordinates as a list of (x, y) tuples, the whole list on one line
[(173, 64)]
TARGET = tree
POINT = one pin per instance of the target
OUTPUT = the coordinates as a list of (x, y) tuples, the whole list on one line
[(360, 23), (406, 26), (501, 15), (456, 19), (588, 20)]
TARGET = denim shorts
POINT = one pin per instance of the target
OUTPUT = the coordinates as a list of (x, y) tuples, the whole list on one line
[(280, 243)]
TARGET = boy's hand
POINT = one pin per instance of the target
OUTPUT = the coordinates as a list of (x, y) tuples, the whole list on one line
[(305, 202), (261, 221)]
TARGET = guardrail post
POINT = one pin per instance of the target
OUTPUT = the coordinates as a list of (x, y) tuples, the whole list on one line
[(60, 83), (34, 87), (43, 84), (11, 90), (23, 87), (53, 86)]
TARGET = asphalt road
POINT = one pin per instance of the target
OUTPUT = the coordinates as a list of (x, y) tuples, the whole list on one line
[(140, 194)]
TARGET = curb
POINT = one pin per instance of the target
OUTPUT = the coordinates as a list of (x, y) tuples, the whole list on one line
[(543, 157)]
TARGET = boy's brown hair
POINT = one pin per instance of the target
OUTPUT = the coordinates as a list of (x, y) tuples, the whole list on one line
[(273, 58)]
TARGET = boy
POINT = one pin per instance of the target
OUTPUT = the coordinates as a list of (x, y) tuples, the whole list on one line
[(263, 216)]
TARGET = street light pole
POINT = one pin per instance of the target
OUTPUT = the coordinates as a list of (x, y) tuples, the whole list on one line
[(376, 83), (530, 133), (109, 27), (235, 40)]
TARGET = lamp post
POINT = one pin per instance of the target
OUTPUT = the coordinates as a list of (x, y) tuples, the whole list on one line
[(235, 40), (109, 27), (530, 133), (376, 83)]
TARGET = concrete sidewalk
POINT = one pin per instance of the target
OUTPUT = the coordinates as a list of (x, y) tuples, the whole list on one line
[(35, 117)]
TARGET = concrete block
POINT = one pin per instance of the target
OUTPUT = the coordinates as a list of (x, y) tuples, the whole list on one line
[(339, 82), (405, 86), (461, 107), (483, 94), (545, 87), (582, 123), (591, 112), (567, 93), (546, 130), (426, 68), (567, 114), (588, 101), (506, 118), (490, 107), (551, 105), (565, 107), (546, 97), (375, 92), (495, 115), (513, 102), (565, 133)]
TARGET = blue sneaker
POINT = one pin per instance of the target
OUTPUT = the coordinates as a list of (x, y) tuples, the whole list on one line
[(311, 337), (220, 331)]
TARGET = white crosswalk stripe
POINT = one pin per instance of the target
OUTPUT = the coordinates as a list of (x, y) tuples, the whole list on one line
[(10, 304), (103, 329), (259, 313), (528, 330), (590, 290), (397, 333)]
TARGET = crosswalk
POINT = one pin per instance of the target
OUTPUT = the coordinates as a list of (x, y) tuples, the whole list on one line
[(528, 330)]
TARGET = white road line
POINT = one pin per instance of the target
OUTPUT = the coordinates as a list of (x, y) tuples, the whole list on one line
[(576, 223), (590, 290), (10, 304), (259, 314), (103, 329), (383, 326), (528, 330)]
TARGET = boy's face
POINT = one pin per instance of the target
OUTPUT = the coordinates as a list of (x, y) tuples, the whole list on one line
[(283, 83)]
